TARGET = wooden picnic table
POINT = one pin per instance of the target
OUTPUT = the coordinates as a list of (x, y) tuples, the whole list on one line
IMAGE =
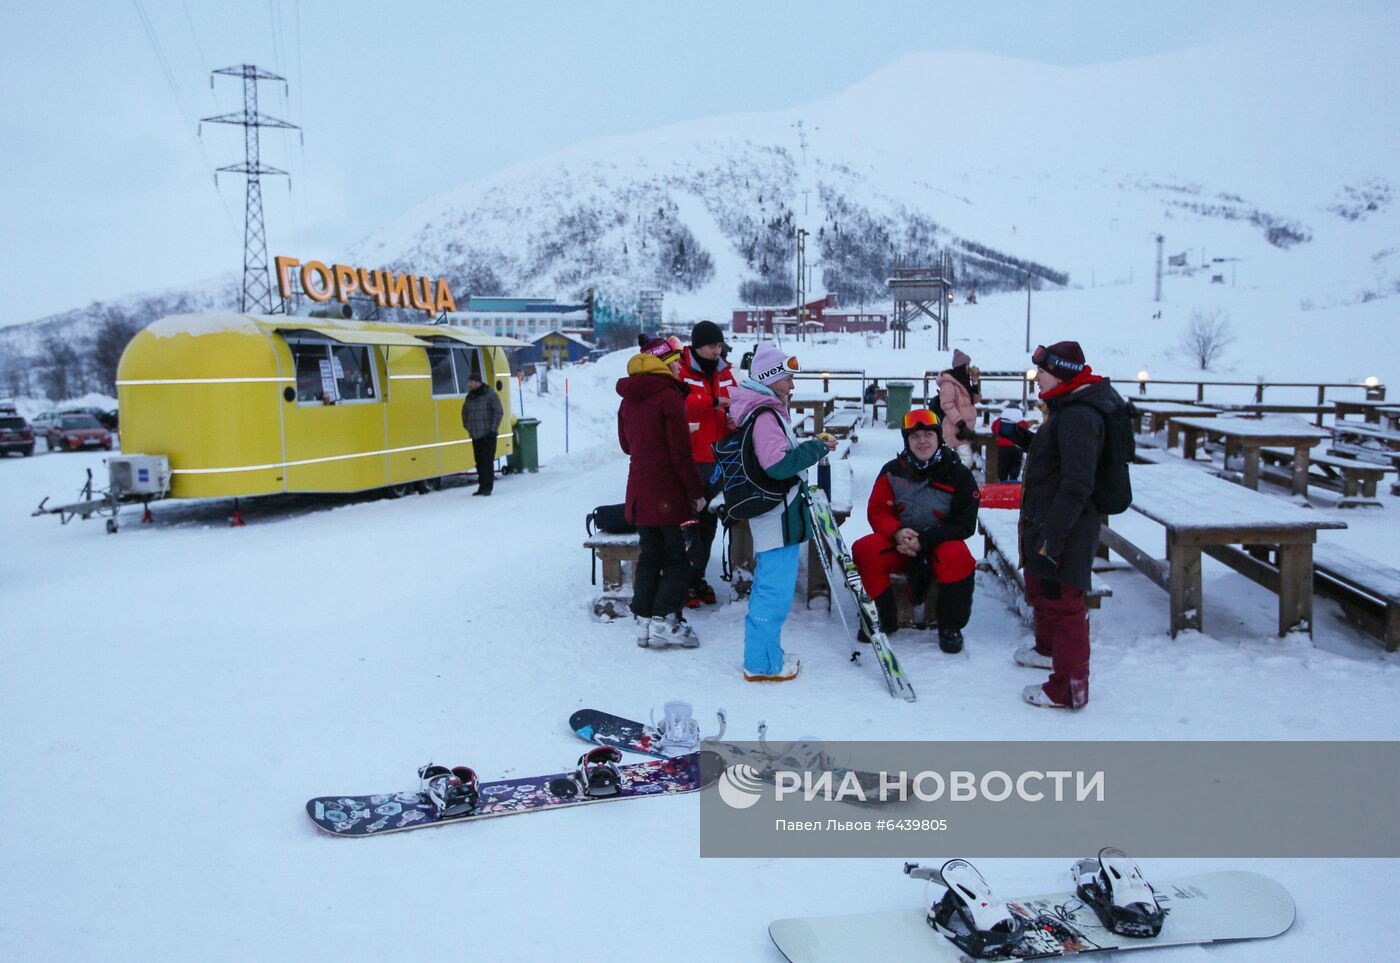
[(1367, 409), (1251, 434), (819, 403), (1160, 414), (1368, 442), (1389, 417), (1202, 513)]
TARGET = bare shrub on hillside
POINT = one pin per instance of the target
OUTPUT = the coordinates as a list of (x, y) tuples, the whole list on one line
[(1207, 336)]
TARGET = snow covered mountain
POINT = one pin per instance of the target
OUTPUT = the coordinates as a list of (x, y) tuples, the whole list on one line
[(1276, 150)]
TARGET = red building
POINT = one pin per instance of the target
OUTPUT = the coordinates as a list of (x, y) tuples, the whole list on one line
[(823, 314)]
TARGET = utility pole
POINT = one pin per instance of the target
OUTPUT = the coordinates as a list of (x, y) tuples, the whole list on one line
[(801, 291), (257, 291), (1028, 314), (1160, 241)]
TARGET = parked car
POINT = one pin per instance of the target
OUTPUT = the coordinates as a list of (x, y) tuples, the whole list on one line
[(16, 434), (43, 422), (74, 432), (109, 420)]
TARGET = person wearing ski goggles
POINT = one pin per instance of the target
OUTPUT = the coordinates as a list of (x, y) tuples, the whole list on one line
[(1059, 522), (922, 510)]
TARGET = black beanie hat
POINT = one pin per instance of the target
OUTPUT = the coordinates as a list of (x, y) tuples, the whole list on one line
[(705, 332)]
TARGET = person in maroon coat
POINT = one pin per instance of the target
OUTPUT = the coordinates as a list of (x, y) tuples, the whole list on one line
[(664, 489)]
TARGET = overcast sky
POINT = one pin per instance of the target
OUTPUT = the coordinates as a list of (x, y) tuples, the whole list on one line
[(107, 191)]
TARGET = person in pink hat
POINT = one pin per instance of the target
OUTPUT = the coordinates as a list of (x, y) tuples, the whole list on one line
[(778, 533)]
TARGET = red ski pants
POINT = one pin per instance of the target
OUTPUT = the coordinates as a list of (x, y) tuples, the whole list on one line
[(1062, 633), (876, 559)]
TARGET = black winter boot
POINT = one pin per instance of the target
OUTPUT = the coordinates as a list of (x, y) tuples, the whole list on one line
[(950, 640)]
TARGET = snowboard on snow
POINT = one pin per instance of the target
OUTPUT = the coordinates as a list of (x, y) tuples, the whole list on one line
[(1209, 908), (605, 729), (841, 568), (395, 812)]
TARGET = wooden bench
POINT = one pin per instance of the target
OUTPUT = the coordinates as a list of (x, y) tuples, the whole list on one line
[(617, 553), (1355, 479), (843, 422), (1368, 590), (1001, 554), (1366, 442)]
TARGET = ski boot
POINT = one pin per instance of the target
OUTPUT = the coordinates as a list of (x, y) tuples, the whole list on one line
[(453, 792), (704, 591), (969, 915), (1114, 888), (597, 773)]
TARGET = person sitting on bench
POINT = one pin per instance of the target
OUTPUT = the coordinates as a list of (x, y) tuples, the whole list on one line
[(921, 510)]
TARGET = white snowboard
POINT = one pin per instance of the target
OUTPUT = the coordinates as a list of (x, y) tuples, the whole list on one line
[(1210, 908)]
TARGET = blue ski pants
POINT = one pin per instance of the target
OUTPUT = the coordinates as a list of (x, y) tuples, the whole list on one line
[(774, 579)]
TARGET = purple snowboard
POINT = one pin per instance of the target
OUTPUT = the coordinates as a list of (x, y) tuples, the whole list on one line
[(396, 812)]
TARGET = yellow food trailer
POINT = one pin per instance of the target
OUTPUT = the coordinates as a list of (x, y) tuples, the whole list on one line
[(246, 405)]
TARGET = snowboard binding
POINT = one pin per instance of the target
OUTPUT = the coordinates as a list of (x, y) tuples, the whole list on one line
[(1115, 889), (807, 754), (678, 733), (597, 773), (453, 792), (969, 915)]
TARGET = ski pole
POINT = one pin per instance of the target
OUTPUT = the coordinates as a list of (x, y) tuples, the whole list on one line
[(566, 416)]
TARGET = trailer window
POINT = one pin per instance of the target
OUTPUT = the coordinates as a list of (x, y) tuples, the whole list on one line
[(440, 363), (352, 365), (467, 361), (312, 362)]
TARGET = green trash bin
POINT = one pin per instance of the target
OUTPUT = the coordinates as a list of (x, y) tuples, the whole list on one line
[(898, 395), (526, 454)]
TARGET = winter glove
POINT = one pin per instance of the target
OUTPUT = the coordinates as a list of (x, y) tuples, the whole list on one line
[(964, 433), (1018, 435)]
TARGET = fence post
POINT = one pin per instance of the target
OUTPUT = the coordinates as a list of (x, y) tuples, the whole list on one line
[(1259, 392), (1321, 400), (1200, 391)]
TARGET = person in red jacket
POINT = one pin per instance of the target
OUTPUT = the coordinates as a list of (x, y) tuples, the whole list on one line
[(710, 379), (921, 510), (1010, 426), (663, 489)]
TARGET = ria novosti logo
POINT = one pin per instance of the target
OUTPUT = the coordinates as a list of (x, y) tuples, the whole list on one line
[(740, 786)]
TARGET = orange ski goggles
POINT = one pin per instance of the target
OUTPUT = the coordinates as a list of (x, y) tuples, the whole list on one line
[(920, 419)]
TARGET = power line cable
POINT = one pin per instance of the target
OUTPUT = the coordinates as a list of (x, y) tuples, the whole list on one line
[(164, 64)]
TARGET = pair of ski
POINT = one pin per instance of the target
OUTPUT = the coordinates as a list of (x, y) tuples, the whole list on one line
[(1112, 909), (841, 569)]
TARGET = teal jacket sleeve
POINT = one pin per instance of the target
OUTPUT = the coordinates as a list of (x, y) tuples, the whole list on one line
[(799, 459)]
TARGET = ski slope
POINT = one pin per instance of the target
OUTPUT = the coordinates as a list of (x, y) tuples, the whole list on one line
[(174, 694)]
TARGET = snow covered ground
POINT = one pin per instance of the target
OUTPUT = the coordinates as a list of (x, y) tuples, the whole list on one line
[(173, 695)]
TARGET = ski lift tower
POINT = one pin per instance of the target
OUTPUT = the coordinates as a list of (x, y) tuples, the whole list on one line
[(921, 290)]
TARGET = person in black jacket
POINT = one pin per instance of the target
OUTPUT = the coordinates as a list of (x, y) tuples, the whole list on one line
[(922, 509), (1059, 526), (481, 416)]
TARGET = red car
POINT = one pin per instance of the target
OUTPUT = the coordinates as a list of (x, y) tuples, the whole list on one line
[(75, 432), (15, 435)]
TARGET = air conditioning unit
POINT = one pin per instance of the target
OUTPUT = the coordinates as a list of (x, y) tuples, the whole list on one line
[(139, 474)]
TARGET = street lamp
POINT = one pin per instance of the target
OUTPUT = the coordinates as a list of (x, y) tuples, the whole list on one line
[(1142, 382)]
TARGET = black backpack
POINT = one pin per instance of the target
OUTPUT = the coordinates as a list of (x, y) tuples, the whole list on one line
[(1113, 485), (748, 490), (611, 519)]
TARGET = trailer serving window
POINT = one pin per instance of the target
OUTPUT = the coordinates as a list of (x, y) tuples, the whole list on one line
[(332, 373)]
